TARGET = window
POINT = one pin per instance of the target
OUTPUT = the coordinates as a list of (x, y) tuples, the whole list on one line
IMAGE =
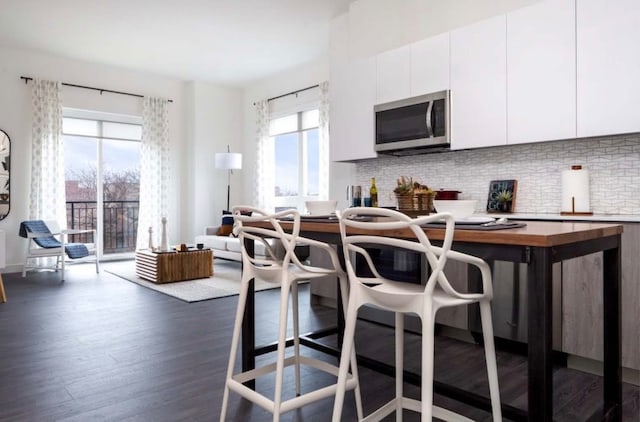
[(102, 176), (296, 159)]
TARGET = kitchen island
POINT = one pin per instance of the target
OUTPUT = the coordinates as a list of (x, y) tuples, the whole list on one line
[(538, 245)]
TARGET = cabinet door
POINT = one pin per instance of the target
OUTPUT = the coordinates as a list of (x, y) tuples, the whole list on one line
[(392, 75), (430, 65), (352, 92), (582, 306), (351, 96), (479, 84), (582, 302), (541, 72), (608, 65)]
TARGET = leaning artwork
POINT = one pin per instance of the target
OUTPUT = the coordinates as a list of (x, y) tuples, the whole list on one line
[(502, 196)]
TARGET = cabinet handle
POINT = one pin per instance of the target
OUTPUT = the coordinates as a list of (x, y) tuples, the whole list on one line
[(429, 128)]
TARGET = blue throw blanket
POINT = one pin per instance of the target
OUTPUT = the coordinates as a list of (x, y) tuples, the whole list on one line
[(73, 250), (76, 250)]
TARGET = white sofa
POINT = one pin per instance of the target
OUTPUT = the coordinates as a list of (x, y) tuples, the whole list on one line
[(323, 291), (226, 247)]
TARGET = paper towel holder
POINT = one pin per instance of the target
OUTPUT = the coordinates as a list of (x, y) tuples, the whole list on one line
[(573, 200)]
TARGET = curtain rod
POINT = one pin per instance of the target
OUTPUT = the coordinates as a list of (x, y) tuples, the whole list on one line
[(27, 79), (292, 92)]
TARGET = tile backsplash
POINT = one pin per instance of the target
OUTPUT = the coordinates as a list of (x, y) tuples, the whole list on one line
[(613, 164)]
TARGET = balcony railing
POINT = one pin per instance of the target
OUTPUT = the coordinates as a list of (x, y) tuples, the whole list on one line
[(120, 223)]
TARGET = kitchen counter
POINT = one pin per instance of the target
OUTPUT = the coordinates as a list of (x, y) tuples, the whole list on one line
[(557, 217), (538, 246)]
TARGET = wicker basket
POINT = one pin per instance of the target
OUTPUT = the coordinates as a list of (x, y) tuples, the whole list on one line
[(405, 201), (416, 202), (424, 202)]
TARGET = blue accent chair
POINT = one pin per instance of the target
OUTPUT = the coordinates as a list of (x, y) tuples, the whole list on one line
[(46, 240)]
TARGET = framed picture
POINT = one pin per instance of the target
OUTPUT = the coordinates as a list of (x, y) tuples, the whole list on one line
[(502, 196)]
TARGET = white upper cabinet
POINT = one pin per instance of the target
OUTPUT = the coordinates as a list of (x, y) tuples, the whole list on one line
[(479, 84), (393, 75), (430, 65), (608, 67), (415, 69), (355, 109), (541, 72), (352, 92)]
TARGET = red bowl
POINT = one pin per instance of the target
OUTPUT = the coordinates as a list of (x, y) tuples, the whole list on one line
[(447, 194)]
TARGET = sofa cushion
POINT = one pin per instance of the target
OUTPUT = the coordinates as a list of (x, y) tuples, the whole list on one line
[(213, 242), (233, 245)]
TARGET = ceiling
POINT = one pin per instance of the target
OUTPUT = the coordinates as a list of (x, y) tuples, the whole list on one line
[(230, 42)]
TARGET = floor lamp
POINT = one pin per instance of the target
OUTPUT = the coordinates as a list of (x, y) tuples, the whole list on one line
[(228, 161)]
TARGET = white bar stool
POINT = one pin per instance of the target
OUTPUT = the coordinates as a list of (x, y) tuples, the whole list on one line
[(401, 297), (285, 271)]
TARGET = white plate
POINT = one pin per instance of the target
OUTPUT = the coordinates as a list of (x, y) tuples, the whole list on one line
[(475, 220)]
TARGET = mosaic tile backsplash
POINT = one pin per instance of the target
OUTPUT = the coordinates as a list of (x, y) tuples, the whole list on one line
[(613, 164)]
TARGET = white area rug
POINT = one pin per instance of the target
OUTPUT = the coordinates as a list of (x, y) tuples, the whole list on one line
[(225, 281)]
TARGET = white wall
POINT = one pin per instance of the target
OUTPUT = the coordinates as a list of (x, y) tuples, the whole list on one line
[(215, 120), (204, 119)]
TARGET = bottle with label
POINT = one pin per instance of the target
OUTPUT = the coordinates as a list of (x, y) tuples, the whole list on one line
[(373, 193)]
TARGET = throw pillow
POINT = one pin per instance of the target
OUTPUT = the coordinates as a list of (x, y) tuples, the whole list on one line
[(227, 226)]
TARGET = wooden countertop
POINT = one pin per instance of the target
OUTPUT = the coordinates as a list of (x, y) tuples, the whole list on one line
[(535, 233)]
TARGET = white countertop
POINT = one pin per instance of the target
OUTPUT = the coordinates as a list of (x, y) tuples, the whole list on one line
[(552, 217)]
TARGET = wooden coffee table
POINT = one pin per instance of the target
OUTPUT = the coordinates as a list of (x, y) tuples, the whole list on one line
[(167, 267)]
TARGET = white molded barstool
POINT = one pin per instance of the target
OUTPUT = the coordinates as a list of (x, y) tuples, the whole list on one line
[(400, 297), (286, 271)]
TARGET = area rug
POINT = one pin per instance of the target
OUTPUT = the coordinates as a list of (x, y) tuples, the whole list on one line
[(224, 282)]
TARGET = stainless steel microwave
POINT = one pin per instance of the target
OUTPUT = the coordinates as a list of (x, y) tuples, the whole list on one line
[(413, 125)]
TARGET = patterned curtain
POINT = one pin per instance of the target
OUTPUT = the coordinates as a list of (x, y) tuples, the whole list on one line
[(154, 168), (265, 159), (47, 200), (323, 132)]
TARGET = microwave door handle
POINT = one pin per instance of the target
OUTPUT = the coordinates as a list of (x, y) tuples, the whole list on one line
[(429, 127)]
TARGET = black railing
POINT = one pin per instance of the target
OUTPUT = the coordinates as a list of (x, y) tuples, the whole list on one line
[(119, 222)]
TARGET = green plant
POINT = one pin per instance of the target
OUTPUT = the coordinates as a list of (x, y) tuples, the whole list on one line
[(504, 196), (404, 186)]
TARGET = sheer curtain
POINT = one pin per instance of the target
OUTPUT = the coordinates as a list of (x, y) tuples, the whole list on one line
[(47, 199), (154, 169), (265, 166), (323, 144), (264, 181)]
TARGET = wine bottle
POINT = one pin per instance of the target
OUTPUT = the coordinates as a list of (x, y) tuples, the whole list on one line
[(373, 193)]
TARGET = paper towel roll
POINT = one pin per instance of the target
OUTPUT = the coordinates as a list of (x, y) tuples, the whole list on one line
[(575, 190)]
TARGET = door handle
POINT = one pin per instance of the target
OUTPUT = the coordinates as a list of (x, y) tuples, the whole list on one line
[(429, 127)]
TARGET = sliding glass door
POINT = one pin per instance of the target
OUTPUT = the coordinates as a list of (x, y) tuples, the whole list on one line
[(102, 172)]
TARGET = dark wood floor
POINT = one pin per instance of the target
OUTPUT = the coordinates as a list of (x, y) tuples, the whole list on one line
[(101, 348)]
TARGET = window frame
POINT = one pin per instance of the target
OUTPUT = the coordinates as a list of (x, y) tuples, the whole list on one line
[(100, 118), (297, 201)]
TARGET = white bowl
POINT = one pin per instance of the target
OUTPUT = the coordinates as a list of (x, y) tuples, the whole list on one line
[(459, 208), (321, 207)]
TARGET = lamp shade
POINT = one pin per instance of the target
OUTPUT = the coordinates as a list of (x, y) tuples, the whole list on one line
[(228, 160)]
